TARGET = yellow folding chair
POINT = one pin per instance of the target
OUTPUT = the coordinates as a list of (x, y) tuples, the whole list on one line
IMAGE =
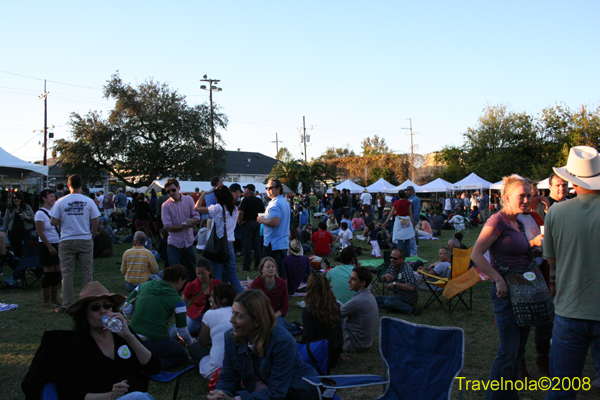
[(461, 279)]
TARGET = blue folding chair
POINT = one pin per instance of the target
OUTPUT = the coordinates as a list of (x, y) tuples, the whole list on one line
[(165, 376), (420, 362)]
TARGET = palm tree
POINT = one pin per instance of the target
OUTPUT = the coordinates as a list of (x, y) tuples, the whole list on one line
[(291, 173)]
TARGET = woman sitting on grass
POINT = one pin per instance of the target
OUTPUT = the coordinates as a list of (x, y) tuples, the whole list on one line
[(321, 317), (276, 290), (100, 364), (261, 358)]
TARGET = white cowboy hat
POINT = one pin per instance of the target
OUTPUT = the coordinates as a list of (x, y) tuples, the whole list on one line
[(583, 168)]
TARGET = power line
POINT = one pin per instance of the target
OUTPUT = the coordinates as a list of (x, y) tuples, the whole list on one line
[(60, 83)]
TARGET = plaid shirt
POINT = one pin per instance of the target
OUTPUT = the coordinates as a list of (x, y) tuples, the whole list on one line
[(404, 274)]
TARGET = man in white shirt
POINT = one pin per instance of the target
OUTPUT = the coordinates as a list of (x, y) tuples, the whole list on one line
[(77, 215), (365, 198)]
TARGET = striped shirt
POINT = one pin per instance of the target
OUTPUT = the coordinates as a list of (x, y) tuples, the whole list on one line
[(137, 265)]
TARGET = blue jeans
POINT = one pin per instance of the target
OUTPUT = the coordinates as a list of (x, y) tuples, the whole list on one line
[(571, 339), (278, 256), (291, 328), (185, 257), (405, 246), (251, 242), (130, 287), (511, 350), (227, 272), (170, 352), (394, 303)]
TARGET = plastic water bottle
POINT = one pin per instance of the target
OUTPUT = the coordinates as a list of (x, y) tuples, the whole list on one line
[(113, 324)]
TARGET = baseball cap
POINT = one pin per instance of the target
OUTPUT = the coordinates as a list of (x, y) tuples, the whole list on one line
[(250, 187), (234, 187)]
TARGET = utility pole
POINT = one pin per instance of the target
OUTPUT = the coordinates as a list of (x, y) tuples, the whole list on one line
[(303, 138), (412, 153), (45, 97), (277, 141), (210, 90)]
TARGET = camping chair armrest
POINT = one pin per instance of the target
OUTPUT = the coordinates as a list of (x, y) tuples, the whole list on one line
[(345, 381), (441, 280)]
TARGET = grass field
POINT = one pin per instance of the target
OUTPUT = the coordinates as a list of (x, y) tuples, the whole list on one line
[(22, 329)]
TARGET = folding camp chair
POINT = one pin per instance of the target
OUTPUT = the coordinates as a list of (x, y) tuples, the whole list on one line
[(461, 279), (420, 362)]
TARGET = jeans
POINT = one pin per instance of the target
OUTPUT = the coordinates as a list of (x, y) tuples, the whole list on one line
[(394, 303), (185, 257), (227, 272), (291, 328), (193, 325), (67, 253), (571, 339), (511, 350), (405, 246), (251, 242), (170, 352), (130, 287), (278, 256)]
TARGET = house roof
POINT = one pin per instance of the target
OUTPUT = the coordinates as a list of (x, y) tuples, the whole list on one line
[(248, 163)]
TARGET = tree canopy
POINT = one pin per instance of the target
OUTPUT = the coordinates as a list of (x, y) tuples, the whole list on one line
[(150, 133), (504, 142), (374, 147)]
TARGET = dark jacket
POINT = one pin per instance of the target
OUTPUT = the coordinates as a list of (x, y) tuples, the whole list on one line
[(281, 369)]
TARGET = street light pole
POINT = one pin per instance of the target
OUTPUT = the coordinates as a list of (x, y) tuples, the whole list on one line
[(45, 97), (212, 112)]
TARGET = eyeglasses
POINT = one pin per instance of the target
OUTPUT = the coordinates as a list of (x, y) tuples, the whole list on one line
[(96, 307), (173, 190)]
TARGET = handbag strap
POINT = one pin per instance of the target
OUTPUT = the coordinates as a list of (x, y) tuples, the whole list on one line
[(224, 223), (201, 291)]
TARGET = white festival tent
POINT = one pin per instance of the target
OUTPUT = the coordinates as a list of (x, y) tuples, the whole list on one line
[(436, 186), (11, 165), (190, 186), (541, 185), (348, 184), (471, 182), (403, 186), (380, 186)]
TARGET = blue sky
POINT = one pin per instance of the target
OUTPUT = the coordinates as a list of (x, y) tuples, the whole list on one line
[(353, 68)]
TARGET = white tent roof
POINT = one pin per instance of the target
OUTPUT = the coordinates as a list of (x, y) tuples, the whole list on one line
[(190, 186), (380, 186), (471, 182), (10, 163), (437, 186), (348, 184), (403, 186)]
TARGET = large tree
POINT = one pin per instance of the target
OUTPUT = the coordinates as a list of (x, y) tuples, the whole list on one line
[(151, 133), (374, 147)]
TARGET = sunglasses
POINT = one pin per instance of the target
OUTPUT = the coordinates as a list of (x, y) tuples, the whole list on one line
[(394, 258), (96, 307), (270, 187), (173, 190)]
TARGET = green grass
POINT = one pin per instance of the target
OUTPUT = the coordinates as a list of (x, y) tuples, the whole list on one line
[(22, 329)]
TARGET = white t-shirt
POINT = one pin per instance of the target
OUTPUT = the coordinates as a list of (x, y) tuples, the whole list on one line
[(345, 237), (75, 212), (442, 269), (218, 323), (216, 213), (201, 238), (365, 198), (101, 201), (49, 230), (448, 204)]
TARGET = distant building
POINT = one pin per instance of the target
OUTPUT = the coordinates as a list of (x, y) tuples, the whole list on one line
[(247, 166), (426, 172)]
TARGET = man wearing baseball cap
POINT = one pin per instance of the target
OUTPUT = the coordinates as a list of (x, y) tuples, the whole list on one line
[(572, 234)]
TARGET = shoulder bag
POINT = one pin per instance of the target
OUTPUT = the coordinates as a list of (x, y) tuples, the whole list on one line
[(529, 295), (217, 249)]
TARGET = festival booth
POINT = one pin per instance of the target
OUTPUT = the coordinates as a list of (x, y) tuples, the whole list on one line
[(403, 186), (545, 184), (348, 184), (14, 167), (436, 186), (471, 182), (381, 186)]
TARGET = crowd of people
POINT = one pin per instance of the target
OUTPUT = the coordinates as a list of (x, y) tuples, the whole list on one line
[(240, 335)]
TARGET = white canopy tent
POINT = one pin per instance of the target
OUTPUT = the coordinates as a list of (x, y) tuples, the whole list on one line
[(436, 186), (380, 186), (348, 184), (471, 182), (403, 186), (545, 184), (10, 164)]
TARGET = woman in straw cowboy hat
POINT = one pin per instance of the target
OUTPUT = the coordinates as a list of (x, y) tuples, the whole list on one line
[(100, 364)]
